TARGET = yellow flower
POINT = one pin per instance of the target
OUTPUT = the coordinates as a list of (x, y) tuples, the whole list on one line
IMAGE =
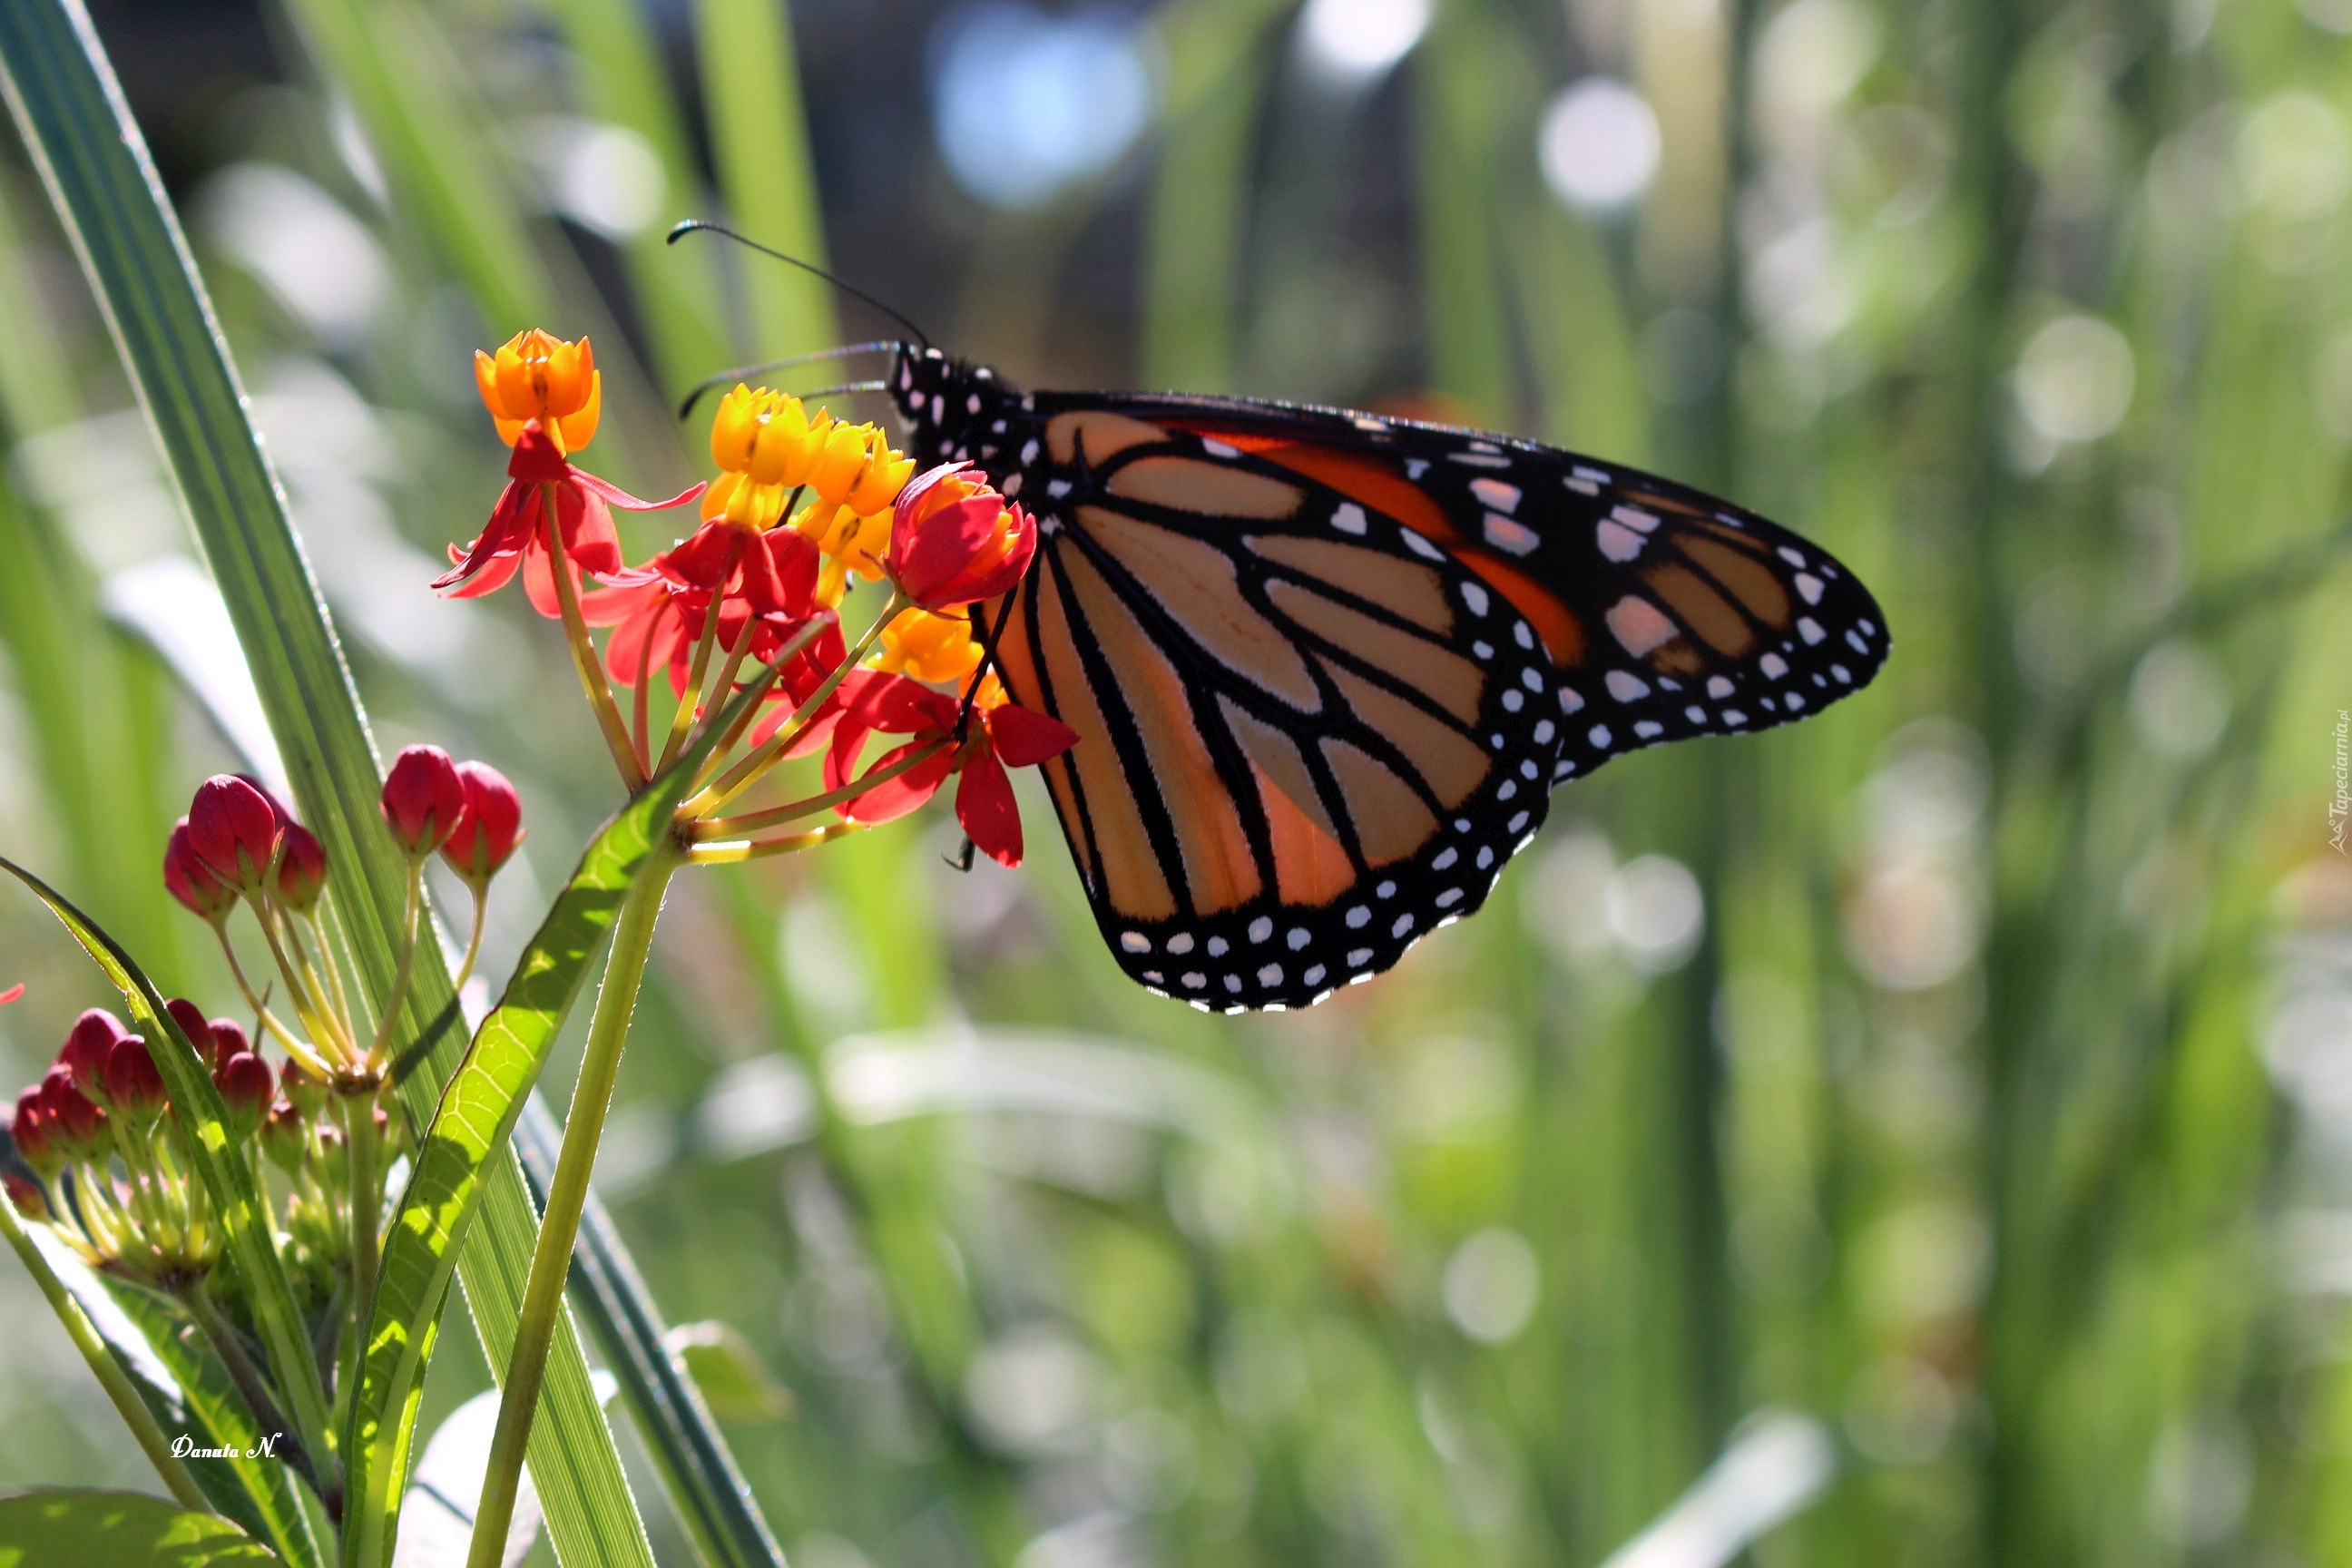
[(536, 376), (928, 647), (767, 447)]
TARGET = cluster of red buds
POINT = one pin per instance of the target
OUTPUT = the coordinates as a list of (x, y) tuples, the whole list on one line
[(101, 1151), (240, 844)]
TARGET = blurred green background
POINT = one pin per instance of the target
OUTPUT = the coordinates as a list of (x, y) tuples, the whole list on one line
[(1921, 1136)]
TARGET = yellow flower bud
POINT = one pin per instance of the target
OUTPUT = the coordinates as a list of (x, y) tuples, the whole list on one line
[(885, 475), (843, 461), (534, 375), (929, 646)]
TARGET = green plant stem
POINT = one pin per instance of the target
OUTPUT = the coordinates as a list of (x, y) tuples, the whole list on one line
[(584, 652), (745, 773), (721, 827), (111, 1377), (367, 1203), (682, 721), (390, 1013), (624, 972)]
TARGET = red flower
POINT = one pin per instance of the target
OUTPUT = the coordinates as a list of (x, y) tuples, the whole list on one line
[(766, 581), (422, 799), (233, 827), (997, 737), (489, 829), (517, 536), (953, 540), (72, 1117)]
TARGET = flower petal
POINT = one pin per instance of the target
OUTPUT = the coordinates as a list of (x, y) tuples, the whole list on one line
[(894, 798), (1024, 738), (986, 810)]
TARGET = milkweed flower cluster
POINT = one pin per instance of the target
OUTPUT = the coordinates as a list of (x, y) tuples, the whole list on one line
[(804, 507)]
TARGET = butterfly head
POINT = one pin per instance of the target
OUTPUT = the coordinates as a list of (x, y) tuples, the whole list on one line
[(954, 410)]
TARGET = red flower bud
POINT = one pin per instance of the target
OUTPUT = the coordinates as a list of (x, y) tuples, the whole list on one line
[(245, 1090), (87, 1048), (235, 828), (305, 1089), (30, 1130), (227, 1039), (191, 1019), (489, 829), (285, 1137), (30, 1201), (953, 540), (422, 798), (301, 870), (192, 881), (133, 1087), (73, 1117)]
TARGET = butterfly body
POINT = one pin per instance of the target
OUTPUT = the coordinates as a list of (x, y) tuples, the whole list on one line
[(1326, 666)]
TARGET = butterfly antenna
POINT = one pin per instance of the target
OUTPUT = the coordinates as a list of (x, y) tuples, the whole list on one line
[(743, 370), (693, 223)]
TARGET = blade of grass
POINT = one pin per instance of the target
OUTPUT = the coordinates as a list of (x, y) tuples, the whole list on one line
[(1218, 61), (93, 160), (759, 135)]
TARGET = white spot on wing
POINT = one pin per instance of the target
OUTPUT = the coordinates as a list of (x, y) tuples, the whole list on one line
[(1638, 624), (1511, 538), (1809, 629), (1134, 941), (1809, 586), (1424, 548), (1773, 665), (1626, 686), (1496, 493), (1617, 541), (1348, 518), (1474, 595)]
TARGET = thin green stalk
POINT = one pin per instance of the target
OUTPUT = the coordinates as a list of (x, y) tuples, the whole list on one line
[(111, 1377), (542, 1302), (584, 652), (776, 816), (743, 774), (390, 1014), (682, 722), (367, 1203)]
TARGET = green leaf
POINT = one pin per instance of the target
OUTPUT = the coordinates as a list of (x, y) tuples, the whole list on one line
[(230, 1183), (117, 1530), (259, 1493), (81, 135), (475, 1122), (186, 1388), (759, 136)]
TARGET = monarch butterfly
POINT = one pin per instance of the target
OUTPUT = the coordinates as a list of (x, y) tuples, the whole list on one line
[(1326, 667)]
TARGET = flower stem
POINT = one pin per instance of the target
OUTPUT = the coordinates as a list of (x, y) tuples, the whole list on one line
[(393, 998), (682, 721), (584, 652), (474, 940), (776, 816), (297, 1048), (111, 1377), (743, 774), (624, 972), (739, 849), (367, 1203)]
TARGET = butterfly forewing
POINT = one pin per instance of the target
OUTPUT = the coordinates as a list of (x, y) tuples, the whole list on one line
[(1324, 666)]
